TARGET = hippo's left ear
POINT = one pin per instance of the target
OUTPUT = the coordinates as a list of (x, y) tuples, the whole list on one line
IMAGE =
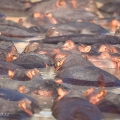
[(23, 104), (102, 94), (89, 92), (61, 93), (11, 73)]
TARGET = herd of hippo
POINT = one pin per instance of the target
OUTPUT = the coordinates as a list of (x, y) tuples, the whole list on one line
[(62, 66)]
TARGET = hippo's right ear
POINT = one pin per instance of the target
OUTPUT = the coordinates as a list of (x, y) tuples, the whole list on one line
[(87, 48), (89, 92), (61, 92), (11, 73), (59, 81), (37, 15), (23, 105)]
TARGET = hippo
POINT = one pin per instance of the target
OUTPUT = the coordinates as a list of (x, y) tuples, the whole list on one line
[(110, 103), (111, 7), (106, 101), (74, 28), (110, 23), (23, 74), (104, 60), (36, 83), (64, 60), (11, 96), (83, 39), (11, 31), (8, 51), (17, 110), (4, 22), (6, 66), (35, 60), (13, 5), (52, 5), (46, 18), (74, 77), (105, 48), (71, 106), (31, 47)]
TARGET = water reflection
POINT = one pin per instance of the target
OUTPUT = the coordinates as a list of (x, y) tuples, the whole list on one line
[(45, 114)]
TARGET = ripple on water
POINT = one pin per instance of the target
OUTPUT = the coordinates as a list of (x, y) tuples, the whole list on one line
[(45, 114)]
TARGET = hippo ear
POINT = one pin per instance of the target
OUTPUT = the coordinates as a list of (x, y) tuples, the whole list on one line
[(31, 73), (61, 92), (114, 23), (59, 81), (89, 92), (87, 48), (11, 73), (102, 94), (23, 105), (60, 3), (49, 15), (21, 89), (20, 21), (37, 15)]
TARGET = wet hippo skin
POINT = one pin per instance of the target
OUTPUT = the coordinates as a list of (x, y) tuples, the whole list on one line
[(84, 39), (75, 108)]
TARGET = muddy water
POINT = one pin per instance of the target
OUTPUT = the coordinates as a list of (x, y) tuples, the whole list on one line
[(46, 114)]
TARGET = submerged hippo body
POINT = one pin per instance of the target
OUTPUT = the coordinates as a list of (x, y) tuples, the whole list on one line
[(84, 39), (13, 95), (75, 108), (16, 104), (75, 27), (13, 5), (32, 60), (88, 76), (74, 59), (35, 85), (12, 111), (52, 5), (6, 66), (11, 31), (110, 104), (8, 51), (42, 19), (111, 7)]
